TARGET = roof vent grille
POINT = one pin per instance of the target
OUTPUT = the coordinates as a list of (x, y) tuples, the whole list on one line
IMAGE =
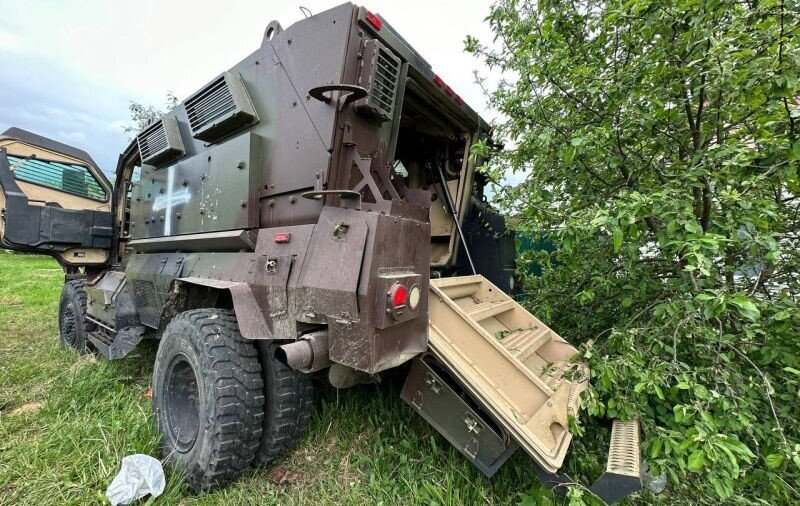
[(380, 73), (161, 142), (221, 107)]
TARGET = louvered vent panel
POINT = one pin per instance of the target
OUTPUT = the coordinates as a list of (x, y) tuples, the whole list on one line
[(161, 142), (220, 108), (384, 85), (380, 73)]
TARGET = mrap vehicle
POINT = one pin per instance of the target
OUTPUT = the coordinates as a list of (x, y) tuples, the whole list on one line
[(313, 209)]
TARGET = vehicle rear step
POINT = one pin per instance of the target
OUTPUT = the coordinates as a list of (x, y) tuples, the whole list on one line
[(497, 378), (514, 366), (622, 476)]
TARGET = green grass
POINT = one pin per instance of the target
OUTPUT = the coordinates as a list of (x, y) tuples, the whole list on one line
[(66, 422)]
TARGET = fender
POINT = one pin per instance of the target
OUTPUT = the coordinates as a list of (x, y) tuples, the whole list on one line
[(252, 323)]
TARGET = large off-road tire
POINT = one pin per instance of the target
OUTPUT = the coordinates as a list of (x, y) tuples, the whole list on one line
[(72, 323), (208, 397), (289, 395)]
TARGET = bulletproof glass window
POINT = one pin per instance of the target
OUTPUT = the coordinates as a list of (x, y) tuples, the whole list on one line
[(62, 176)]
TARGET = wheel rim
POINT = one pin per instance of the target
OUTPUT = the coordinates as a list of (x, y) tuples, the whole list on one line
[(182, 404), (68, 327)]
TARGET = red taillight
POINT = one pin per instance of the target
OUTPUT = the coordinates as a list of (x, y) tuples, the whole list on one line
[(373, 20), (282, 237), (399, 295)]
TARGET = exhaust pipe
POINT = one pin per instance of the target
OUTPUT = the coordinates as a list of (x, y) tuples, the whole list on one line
[(308, 354)]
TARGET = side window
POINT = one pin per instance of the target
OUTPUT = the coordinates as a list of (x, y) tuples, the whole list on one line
[(67, 177)]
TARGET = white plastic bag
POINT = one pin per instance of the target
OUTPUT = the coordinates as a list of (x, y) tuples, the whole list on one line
[(139, 475)]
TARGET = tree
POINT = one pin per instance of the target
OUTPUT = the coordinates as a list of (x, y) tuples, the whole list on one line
[(143, 115), (658, 140)]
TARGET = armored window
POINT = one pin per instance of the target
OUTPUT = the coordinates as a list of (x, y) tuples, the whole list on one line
[(66, 177)]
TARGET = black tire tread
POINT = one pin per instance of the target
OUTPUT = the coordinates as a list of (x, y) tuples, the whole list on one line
[(286, 418), (236, 375), (74, 291)]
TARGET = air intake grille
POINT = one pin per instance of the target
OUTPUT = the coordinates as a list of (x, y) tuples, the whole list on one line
[(161, 142), (380, 73), (220, 108)]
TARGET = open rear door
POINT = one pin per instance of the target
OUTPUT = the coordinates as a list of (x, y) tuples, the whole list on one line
[(497, 378), (54, 200)]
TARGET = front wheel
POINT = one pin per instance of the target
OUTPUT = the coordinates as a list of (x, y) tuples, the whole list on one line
[(208, 397), (72, 323)]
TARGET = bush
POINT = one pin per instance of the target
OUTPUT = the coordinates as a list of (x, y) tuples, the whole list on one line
[(658, 141)]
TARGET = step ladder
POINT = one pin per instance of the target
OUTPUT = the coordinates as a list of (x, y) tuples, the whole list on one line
[(514, 365), (496, 378)]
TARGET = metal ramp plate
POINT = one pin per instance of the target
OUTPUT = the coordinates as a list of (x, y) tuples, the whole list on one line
[(513, 364)]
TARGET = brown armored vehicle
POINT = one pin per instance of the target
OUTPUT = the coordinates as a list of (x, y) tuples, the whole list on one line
[(312, 208)]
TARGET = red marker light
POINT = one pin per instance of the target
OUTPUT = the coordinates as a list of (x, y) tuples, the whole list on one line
[(373, 20), (282, 237), (400, 296), (396, 300)]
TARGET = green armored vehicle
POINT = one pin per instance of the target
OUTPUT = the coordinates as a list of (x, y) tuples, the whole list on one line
[(313, 209)]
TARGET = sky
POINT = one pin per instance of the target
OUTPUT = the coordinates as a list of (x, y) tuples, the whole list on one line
[(69, 68)]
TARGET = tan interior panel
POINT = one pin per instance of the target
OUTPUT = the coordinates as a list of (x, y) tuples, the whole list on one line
[(443, 233), (42, 194), (441, 221), (81, 256)]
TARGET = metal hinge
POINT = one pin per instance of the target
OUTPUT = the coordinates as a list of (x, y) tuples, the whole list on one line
[(433, 383)]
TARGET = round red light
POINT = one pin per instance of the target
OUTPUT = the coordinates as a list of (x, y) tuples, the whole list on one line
[(399, 295)]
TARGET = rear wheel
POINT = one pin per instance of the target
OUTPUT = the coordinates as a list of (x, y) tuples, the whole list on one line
[(208, 397), (72, 323), (289, 395)]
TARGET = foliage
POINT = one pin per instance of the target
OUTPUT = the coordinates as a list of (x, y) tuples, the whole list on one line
[(658, 143), (142, 115)]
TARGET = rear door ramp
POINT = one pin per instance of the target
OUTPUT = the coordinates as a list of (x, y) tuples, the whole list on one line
[(497, 378)]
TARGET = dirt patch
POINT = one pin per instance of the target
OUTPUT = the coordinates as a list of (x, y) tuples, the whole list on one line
[(280, 475), (27, 409)]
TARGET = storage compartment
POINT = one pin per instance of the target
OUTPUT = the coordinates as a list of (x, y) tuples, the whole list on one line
[(444, 403)]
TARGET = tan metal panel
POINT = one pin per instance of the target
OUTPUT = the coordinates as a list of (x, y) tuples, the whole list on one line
[(516, 366)]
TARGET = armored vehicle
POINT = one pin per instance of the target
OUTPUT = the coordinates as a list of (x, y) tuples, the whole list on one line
[(312, 209)]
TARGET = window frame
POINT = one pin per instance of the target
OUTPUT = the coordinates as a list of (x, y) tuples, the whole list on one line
[(83, 166)]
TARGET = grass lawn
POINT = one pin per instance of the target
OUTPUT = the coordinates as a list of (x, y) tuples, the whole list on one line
[(66, 422)]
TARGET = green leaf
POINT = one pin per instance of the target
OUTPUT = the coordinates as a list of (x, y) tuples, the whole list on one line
[(775, 460), (617, 239), (697, 460), (693, 227), (782, 315), (655, 451), (746, 308)]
